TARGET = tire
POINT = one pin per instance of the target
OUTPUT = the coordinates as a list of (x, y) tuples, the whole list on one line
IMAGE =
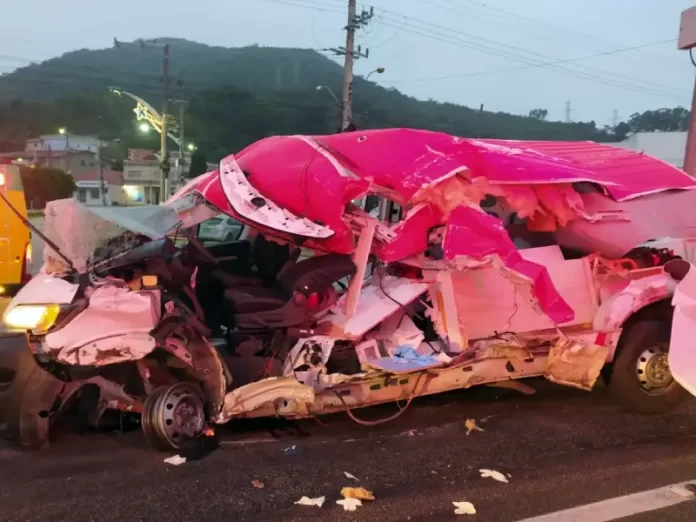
[(641, 341), (159, 414)]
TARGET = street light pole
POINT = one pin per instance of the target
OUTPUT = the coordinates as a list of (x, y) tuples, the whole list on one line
[(164, 160), (378, 70)]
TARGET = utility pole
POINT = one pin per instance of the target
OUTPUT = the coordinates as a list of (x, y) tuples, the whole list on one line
[(615, 118), (350, 53), (182, 103), (567, 112), (102, 184), (687, 41), (164, 157)]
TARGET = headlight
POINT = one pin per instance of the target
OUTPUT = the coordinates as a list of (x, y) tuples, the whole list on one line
[(37, 318)]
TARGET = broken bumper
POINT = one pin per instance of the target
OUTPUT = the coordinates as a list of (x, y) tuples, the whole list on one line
[(27, 393)]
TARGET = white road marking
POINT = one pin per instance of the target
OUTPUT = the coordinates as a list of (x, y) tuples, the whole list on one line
[(619, 507)]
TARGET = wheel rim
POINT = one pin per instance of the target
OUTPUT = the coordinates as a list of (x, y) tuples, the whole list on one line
[(174, 415), (652, 370)]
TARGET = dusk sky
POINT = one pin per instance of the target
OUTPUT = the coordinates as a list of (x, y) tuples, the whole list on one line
[(463, 51)]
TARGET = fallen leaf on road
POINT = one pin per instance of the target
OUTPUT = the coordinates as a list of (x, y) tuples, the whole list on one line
[(257, 484), (495, 475), (471, 425), (349, 504), (358, 493), (306, 501), (351, 476), (176, 460), (464, 508)]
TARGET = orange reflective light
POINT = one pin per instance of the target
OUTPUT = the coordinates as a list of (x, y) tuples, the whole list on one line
[(2, 179)]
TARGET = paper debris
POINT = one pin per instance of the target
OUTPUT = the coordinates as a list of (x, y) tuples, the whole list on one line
[(176, 460), (257, 484), (349, 504), (359, 493), (306, 501), (471, 425), (495, 475), (464, 508), (351, 476)]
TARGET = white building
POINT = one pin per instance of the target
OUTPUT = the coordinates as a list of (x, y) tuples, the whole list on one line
[(88, 193), (62, 142), (670, 147), (141, 175)]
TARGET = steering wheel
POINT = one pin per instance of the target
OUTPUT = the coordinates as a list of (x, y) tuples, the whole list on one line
[(200, 249)]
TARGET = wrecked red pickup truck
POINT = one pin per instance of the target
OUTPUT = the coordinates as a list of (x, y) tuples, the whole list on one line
[(490, 261)]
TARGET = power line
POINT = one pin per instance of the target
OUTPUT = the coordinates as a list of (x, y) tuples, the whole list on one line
[(473, 42), (588, 68), (579, 74), (564, 33), (513, 53), (554, 62)]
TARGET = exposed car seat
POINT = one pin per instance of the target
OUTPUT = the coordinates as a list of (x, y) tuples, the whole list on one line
[(302, 288)]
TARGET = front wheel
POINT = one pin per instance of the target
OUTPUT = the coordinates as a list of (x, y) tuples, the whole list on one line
[(641, 378), (173, 416)]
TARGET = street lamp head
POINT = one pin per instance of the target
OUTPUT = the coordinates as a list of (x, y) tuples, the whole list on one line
[(321, 87), (191, 147), (62, 130), (379, 70), (144, 127)]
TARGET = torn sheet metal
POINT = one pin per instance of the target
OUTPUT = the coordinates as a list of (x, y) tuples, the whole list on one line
[(624, 173), (377, 301), (410, 236), (249, 202), (312, 353), (115, 327), (682, 355), (575, 363), (667, 214), (474, 238), (275, 393), (637, 294), (315, 178), (506, 346)]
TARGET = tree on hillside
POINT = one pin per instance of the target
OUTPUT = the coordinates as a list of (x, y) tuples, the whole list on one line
[(676, 119), (198, 164), (538, 114), (42, 185)]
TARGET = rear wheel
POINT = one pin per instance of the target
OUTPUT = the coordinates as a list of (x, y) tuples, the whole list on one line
[(641, 378), (173, 416)]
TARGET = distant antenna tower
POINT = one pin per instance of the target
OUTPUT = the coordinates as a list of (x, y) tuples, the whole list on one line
[(615, 118), (567, 112)]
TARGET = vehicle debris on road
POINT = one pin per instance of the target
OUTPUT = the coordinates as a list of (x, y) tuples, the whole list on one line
[(495, 475), (470, 425), (306, 501), (359, 493), (464, 508), (176, 460)]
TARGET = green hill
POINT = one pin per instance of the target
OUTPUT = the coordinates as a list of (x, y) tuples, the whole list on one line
[(237, 95)]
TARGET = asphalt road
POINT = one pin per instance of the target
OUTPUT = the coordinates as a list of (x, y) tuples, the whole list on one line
[(562, 448)]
